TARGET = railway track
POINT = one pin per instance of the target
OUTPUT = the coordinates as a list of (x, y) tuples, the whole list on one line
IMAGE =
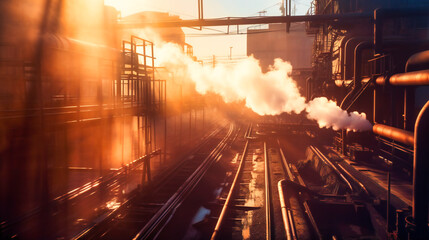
[(146, 214), (256, 206), (251, 208), (304, 203), (83, 195)]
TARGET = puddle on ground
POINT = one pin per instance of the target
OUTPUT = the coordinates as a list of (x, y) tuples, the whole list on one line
[(235, 159), (201, 214), (255, 196)]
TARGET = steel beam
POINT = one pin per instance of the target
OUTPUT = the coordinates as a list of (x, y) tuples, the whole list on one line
[(245, 20)]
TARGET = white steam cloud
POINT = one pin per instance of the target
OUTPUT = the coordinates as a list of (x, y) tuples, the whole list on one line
[(268, 93)]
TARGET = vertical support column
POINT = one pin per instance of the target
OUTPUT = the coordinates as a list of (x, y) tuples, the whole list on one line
[(165, 118), (190, 123), (374, 112), (181, 117), (102, 124), (344, 143), (195, 120), (203, 117), (153, 103), (408, 108), (420, 174)]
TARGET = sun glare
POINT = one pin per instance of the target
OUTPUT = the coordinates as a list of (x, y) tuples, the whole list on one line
[(127, 7)]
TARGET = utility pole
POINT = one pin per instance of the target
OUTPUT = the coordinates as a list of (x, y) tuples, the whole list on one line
[(214, 61), (230, 53), (261, 14), (282, 8), (200, 10)]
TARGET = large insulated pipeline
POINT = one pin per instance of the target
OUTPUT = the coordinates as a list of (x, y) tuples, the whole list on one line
[(393, 133), (416, 78), (418, 61), (421, 173), (416, 74), (285, 209), (420, 141)]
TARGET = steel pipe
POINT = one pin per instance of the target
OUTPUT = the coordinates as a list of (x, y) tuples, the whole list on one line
[(382, 80), (343, 83), (374, 109), (411, 78), (342, 53), (416, 78), (421, 174), (349, 49), (285, 209), (393, 133), (418, 61), (357, 68), (267, 195), (356, 84), (308, 82)]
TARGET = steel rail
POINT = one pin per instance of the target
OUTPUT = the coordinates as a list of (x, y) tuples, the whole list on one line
[(326, 161), (104, 179), (287, 215), (267, 195), (178, 197), (305, 205), (286, 167), (359, 183), (172, 203), (343, 170), (217, 158), (110, 181), (87, 231), (231, 190)]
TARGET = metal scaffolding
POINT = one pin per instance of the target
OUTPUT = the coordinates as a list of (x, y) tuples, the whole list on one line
[(142, 92)]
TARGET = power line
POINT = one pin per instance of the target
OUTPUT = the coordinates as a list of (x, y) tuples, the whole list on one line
[(231, 34)]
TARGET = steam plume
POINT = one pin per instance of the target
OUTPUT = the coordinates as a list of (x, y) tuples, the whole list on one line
[(268, 93)]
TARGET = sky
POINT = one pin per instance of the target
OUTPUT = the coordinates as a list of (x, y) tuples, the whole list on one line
[(205, 46)]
